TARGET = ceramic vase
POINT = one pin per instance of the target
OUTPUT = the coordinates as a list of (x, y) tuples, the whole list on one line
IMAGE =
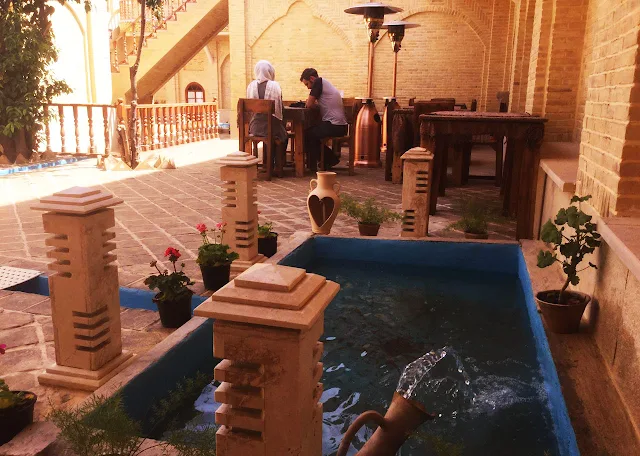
[(323, 202)]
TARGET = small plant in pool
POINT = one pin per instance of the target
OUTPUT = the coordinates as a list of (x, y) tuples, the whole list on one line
[(368, 214), (267, 239), (573, 235), (101, 426), (214, 256)]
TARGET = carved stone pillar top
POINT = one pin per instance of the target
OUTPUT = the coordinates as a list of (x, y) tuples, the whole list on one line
[(77, 201), (417, 154), (271, 295), (239, 159)]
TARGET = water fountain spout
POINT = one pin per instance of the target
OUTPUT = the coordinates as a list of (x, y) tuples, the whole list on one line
[(402, 418), (436, 381)]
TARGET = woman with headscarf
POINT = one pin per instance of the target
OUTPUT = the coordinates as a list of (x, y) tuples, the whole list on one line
[(265, 87)]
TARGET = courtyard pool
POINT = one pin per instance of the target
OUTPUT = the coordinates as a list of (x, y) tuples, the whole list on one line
[(401, 299)]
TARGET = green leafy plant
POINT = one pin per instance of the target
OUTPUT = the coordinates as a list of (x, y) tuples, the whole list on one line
[(102, 426), (10, 398), (213, 252), (474, 217), (266, 230), (171, 286), (367, 212), (582, 239)]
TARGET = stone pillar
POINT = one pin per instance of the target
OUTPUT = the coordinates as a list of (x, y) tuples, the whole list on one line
[(267, 324), (416, 189), (239, 173), (85, 303)]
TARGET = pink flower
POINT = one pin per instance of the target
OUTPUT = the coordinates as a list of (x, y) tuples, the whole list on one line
[(201, 227), (219, 225), (3, 347), (259, 212), (171, 252)]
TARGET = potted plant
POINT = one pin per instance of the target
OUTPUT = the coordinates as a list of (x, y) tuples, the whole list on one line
[(474, 220), (267, 239), (368, 214), (562, 309), (214, 257), (174, 297), (16, 409)]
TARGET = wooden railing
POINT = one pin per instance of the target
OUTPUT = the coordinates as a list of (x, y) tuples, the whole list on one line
[(126, 40), (166, 125), (79, 128)]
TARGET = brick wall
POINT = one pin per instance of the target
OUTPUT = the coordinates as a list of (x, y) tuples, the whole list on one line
[(609, 167)]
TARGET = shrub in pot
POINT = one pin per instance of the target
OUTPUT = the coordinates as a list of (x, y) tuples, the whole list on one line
[(267, 239), (16, 409), (174, 297), (562, 309), (368, 214), (473, 222), (214, 257)]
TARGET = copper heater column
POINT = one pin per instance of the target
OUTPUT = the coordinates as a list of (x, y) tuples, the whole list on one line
[(367, 138)]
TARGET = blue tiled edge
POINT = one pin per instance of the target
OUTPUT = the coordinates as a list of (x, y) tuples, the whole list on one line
[(567, 444), (35, 166), (132, 298)]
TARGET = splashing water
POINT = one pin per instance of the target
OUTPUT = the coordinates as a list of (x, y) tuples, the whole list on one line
[(439, 382)]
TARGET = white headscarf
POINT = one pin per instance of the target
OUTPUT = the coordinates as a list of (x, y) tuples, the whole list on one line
[(264, 71)]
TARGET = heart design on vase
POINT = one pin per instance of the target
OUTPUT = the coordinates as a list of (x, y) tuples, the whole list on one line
[(321, 209)]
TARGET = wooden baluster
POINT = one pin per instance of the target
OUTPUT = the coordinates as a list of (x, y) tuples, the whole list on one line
[(155, 129), (205, 114), (201, 136), (63, 138), (47, 130), (216, 132), (179, 117), (144, 143), (187, 123), (203, 121), (196, 122), (167, 127), (77, 130), (172, 126), (107, 138), (189, 111), (92, 143)]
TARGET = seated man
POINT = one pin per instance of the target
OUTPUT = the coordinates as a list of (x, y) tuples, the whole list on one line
[(334, 122)]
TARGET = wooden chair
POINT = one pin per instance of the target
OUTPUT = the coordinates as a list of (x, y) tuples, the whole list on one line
[(247, 108), (351, 109)]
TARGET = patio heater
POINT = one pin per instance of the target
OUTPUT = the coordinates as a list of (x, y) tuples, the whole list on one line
[(367, 126), (396, 34)]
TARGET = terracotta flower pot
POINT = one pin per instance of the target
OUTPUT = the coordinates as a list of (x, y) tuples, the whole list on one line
[(268, 246), (476, 235), (15, 419), (215, 277), (368, 229), (174, 314), (562, 318)]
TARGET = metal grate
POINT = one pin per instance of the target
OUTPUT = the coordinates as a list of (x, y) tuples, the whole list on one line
[(10, 277)]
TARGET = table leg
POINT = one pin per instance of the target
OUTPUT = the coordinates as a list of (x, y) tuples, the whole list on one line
[(298, 151), (439, 146), (458, 164), (499, 147), (505, 190), (468, 145), (529, 179), (512, 199), (444, 164)]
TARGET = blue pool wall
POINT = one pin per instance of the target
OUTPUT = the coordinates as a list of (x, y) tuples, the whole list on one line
[(133, 298), (504, 258)]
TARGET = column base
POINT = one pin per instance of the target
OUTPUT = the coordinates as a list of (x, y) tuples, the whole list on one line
[(367, 164), (84, 379), (239, 266)]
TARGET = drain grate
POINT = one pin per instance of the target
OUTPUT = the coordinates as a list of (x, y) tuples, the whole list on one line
[(10, 277)]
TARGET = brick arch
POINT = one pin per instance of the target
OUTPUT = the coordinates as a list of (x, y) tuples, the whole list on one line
[(283, 10), (483, 33)]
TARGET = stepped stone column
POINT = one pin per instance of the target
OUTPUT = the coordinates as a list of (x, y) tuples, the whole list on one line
[(416, 189), (85, 303), (239, 173), (267, 324)]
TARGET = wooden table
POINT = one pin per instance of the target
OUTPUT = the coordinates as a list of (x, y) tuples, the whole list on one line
[(524, 135), (301, 119)]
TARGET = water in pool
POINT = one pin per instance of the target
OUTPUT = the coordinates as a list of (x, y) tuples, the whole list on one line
[(387, 316)]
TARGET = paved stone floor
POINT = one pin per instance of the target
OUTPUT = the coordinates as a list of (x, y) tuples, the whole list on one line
[(161, 209)]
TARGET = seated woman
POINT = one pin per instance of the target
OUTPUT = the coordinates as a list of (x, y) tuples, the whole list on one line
[(265, 87)]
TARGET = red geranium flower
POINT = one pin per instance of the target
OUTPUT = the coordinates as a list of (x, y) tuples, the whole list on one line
[(201, 227), (259, 212), (2, 348), (219, 225), (171, 252)]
